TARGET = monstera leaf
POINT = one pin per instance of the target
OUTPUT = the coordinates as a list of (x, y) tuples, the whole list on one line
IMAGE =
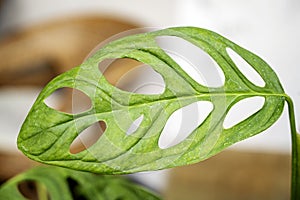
[(47, 134), (59, 183)]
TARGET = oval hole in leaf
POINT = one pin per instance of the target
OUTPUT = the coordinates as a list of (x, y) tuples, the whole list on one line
[(183, 122), (88, 137), (69, 100), (248, 71), (33, 189), (132, 76), (74, 188), (142, 80), (242, 110), (193, 60), (114, 69), (135, 125)]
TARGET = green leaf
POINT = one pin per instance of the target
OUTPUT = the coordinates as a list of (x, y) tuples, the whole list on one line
[(68, 184), (47, 134)]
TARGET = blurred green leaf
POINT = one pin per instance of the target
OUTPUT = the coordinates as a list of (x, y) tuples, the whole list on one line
[(65, 184)]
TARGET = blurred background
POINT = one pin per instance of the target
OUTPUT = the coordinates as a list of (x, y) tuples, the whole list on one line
[(41, 39)]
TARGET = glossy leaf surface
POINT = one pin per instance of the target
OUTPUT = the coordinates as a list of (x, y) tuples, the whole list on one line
[(47, 134)]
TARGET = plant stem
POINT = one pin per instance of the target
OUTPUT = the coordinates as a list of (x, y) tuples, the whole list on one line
[(295, 179)]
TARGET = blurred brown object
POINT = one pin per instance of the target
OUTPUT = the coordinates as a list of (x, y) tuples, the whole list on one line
[(232, 175), (35, 55), (12, 164)]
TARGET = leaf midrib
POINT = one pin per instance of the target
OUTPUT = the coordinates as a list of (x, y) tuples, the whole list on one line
[(121, 109)]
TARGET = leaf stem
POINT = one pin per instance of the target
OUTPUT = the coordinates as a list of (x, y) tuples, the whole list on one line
[(295, 178)]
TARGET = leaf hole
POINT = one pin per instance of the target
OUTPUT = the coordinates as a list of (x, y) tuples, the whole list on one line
[(248, 71), (33, 190), (135, 125), (193, 60), (74, 188), (69, 100), (242, 110), (88, 137), (183, 122), (132, 76)]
